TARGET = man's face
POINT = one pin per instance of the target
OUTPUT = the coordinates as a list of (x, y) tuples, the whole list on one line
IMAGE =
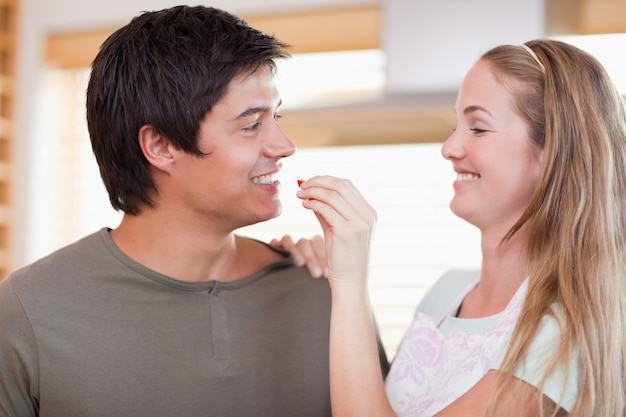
[(235, 184)]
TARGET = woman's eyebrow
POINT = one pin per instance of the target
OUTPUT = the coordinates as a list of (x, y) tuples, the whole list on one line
[(476, 108)]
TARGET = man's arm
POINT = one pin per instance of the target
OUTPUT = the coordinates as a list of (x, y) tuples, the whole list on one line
[(18, 358)]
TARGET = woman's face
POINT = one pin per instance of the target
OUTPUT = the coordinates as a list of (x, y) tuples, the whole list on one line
[(497, 166)]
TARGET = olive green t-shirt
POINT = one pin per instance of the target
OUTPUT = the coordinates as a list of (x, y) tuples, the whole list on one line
[(88, 332)]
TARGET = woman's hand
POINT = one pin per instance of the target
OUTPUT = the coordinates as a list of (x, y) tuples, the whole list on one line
[(348, 223), (310, 252)]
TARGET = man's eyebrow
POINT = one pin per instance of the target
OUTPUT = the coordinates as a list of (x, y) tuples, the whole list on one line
[(254, 110)]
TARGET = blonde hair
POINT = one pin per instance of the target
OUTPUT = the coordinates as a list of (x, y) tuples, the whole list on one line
[(576, 218)]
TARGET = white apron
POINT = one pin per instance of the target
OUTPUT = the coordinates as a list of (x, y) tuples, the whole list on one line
[(432, 369)]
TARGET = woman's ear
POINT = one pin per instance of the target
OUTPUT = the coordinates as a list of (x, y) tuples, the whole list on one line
[(156, 147)]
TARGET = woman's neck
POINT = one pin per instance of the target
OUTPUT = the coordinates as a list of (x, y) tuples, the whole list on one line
[(503, 269)]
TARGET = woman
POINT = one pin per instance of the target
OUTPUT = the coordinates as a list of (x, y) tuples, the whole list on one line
[(540, 156)]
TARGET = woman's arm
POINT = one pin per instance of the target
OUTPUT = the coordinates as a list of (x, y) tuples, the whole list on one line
[(357, 388), (348, 222), (517, 398)]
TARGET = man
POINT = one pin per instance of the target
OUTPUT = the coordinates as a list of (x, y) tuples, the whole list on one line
[(172, 313)]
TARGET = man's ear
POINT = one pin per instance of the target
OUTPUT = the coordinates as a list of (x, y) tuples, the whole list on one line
[(155, 147)]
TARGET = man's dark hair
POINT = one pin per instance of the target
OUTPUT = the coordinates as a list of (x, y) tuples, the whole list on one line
[(166, 69)]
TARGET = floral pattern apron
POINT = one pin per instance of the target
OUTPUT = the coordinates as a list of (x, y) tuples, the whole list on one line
[(432, 369)]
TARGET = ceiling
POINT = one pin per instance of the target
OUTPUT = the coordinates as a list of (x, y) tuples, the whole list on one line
[(423, 118), (407, 118)]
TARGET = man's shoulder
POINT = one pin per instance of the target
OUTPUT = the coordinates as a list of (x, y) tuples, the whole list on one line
[(286, 270), (267, 260), (60, 262), (282, 276)]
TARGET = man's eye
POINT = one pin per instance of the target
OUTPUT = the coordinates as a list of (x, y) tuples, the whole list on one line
[(252, 127), (277, 116), (477, 130)]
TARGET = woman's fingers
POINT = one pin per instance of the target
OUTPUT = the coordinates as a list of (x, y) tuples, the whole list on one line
[(337, 200), (348, 223), (315, 255), (306, 252)]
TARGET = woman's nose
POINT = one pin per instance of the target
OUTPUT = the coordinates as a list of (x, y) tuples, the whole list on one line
[(452, 148)]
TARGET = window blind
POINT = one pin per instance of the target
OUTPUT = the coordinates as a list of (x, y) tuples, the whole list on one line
[(417, 238)]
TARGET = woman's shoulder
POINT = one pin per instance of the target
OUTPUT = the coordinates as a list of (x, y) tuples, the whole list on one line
[(560, 383), (448, 290)]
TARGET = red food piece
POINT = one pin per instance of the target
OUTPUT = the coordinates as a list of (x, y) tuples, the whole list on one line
[(300, 183)]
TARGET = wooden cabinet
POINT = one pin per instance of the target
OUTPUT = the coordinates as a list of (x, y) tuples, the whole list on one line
[(8, 30)]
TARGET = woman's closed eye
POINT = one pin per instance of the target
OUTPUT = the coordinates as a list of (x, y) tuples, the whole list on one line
[(477, 131)]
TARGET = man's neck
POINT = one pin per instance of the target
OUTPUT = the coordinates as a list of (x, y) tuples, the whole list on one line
[(187, 252)]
